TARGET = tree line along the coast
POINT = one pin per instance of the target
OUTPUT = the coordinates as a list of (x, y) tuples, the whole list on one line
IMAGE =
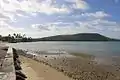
[(14, 38)]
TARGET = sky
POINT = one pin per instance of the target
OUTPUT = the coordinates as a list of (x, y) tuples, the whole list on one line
[(41, 18)]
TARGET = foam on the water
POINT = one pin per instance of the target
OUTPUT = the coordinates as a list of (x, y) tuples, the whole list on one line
[(50, 54)]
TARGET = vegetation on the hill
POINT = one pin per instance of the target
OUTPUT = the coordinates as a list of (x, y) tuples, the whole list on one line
[(77, 37)]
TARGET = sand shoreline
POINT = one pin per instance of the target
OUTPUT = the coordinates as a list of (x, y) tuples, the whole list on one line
[(37, 71), (77, 68)]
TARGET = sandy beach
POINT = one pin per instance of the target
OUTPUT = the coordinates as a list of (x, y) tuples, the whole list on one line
[(59, 66), (38, 71)]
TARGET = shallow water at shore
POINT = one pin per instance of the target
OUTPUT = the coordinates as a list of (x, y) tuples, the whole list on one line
[(96, 48), (104, 51)]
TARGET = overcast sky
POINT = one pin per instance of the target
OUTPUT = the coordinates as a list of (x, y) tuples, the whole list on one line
[(39, 18)]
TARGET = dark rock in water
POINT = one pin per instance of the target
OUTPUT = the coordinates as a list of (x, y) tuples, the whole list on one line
[(18, 72), (18, 77)]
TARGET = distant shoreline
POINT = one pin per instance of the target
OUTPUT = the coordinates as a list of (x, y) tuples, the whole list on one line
[(61, 41), (78, 41), (16, 38)]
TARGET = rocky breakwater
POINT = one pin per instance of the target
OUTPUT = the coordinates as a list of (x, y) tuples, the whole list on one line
[(17, 63), (76, 67)]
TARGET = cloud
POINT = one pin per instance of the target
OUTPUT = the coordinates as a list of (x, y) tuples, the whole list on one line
[(30, 6), (40, 27), (62, 24), (86, 16), (5, 25), (100, 25), (7, 16), (42, 6), (79, 4), (53, 27), (21, 15), (12, 10), (93, 22), (98, 14), (6, 29)]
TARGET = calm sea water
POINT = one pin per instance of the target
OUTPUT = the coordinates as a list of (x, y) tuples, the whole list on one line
[(95, 48)]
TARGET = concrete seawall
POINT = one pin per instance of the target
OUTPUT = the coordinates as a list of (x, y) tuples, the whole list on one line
[(10, 65), (7, 70)]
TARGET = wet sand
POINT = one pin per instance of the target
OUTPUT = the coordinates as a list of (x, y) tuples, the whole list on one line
[(38, 71), (75, 67)]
